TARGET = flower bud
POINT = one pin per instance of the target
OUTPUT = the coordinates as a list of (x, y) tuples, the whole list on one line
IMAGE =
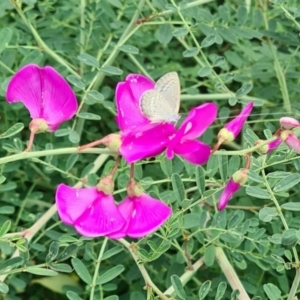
[(236, 181), (267, 148)]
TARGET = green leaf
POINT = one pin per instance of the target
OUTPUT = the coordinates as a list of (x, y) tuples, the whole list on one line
[(272, 291), (244, 90), (110, 70), (111, 252), (191, 220), (289, 237), (62, 132), (204, 72), (221, 290), (208, 41), (5, 228), (226, 34), (11, 263), (242, 14), (81, 270), (53, 251), (233, 165), (73, 158), (293, 206), (95, 95), (5, 37), (3, 288), (40, 271), (178, 187), (254, 177), (73, 296), (164, 34), (88, 116), (129, 49), (180, 32), (223, 166), (76, 82), (12, 131), (287, 183), (178, 287), (200, 179), (110, 274), (220, 60), (69, 251), (210, 255), (236, 219), (2, 179), (7, 209), (88, 60), (60, 267), (166, 166), (190, 52), (266, 214), (257, 192), (74, 137), (204, 289)]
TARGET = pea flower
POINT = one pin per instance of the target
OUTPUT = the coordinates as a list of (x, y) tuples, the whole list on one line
[(184, 142), (232, 186), (46, 94), (231, 130), (92, 211), (143, 213), (140, 137)]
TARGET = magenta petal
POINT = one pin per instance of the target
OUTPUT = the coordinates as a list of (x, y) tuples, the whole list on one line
[(193, 151), (292, 141), (146, 141), (148, 215), (230, 188), (273, 145), (236, 125), (26, 87), (45, 93), (59, 101), (197, 121), (72, 202), (102, 217), (127, 96), (126, 208)]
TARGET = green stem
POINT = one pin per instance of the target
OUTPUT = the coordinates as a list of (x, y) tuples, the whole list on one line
[(295, 285), (96, 273), (71, 150), (82, 35), (186, 276), (230, 274), (143, 271)]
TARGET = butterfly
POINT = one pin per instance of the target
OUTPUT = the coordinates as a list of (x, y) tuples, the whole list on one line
[(162, 103)]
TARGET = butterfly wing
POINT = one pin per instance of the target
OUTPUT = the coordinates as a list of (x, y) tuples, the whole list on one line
[(169, 86), (155, 107)]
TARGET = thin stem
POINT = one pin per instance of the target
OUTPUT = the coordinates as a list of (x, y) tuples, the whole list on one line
[(30, 141), (295, 285), (82, 35), (186, 276), (71, 150), (230, 274), (143, 270), (101, 252)]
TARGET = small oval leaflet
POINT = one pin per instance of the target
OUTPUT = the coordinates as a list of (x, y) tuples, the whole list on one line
[(110, 70), (204, 289), (12, 130)]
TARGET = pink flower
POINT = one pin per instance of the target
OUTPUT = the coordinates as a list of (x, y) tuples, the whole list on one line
[(291, 140), (266, 149), (140, 137), (230, 131), (288, 123), (143, 213), (92, 212), (184, 142), (232, 186), (45, 93)]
